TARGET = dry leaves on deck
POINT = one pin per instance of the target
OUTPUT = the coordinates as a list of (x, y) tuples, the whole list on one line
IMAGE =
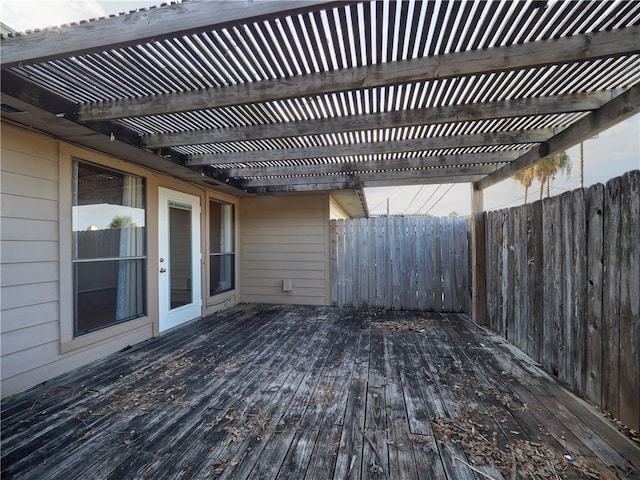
[(516, 459), (419, 325)]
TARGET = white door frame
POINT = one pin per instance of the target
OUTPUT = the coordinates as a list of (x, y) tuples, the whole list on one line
[(168, 317)]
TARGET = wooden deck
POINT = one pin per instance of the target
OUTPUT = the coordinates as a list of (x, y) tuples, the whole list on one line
[(312, 393)]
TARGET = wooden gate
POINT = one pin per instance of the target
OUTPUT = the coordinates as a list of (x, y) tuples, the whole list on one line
[(402, 263)]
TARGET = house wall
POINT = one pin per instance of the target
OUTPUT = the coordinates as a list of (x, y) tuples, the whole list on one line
[(285, 238), (36, 328), (30, 258)]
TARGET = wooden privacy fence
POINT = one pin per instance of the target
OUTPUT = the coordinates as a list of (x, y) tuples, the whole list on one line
[(411, 263), (563, 284)]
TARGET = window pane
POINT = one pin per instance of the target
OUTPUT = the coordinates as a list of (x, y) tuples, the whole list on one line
[(108, 213), (180, 256), (108, 292), (221, 225), (108, 230), (221, 273), (221, 247)]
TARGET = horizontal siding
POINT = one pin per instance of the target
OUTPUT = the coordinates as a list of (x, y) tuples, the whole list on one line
[(14, 251), (23, 295), (311, 231), (14, 274), (27, 229), (29, 254), (280, 274), (288, 300), (30, 270), (287, 248), (16, 141), (15, 184), (23, 339), (42, 364), (284, 237), (277, 282), (28, 316), (30, 165), (16, 206)]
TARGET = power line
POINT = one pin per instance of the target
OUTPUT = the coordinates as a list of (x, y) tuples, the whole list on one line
[(385, 199), (448, 190), (413, 199), (427, 200)]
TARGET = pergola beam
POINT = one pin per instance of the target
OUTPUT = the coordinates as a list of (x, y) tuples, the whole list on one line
[(518, 107), (438, 163), (447, 175), (144, 26), (319, 172), (613, 112), (578, 48), (351, 182), (375, 148)]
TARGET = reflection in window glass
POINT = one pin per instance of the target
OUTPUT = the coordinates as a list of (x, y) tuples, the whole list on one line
[(109, 247), (221, 247)]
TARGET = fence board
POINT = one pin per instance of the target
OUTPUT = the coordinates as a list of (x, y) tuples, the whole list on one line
[(629, 382), (565, 372), (563, 284), (595, 229), (402, 263), (578, 317), (610, 298), (535, 271)]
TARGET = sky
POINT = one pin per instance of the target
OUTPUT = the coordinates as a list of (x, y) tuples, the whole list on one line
[(609, 155)]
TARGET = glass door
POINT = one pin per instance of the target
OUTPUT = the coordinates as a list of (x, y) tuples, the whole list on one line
[(179, 260)]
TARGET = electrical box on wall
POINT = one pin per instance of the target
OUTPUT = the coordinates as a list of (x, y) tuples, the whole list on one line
[(286, 285)]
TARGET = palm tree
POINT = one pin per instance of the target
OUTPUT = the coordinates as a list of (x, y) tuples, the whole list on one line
[(548, 168), (525, 177), (122, 221), (544, 171)]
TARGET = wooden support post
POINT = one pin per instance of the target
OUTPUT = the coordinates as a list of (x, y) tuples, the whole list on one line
[(479, 291)]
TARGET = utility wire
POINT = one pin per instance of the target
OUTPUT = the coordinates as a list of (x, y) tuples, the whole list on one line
[(385, 199), (413, 199), (438, 201), (430, 196)]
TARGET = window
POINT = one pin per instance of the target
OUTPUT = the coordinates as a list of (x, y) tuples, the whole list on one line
[(221, 248), (109, 247)]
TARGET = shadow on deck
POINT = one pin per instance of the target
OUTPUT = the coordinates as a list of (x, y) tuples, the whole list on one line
[(312, 392)]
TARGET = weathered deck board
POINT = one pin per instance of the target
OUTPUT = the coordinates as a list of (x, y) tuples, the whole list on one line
[(266, 392)]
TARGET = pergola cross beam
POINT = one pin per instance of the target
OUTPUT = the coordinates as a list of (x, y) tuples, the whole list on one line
[(517, 107)]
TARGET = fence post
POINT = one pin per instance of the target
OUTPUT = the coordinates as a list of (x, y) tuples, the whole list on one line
[(479, 296)]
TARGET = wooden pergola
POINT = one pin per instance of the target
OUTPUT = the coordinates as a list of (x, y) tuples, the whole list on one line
[(263, 97)]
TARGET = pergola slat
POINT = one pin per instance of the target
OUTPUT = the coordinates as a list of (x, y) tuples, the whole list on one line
[(573, 49), (145, 26)]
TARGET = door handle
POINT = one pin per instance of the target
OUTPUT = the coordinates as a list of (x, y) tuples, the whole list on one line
[(162, 270)]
